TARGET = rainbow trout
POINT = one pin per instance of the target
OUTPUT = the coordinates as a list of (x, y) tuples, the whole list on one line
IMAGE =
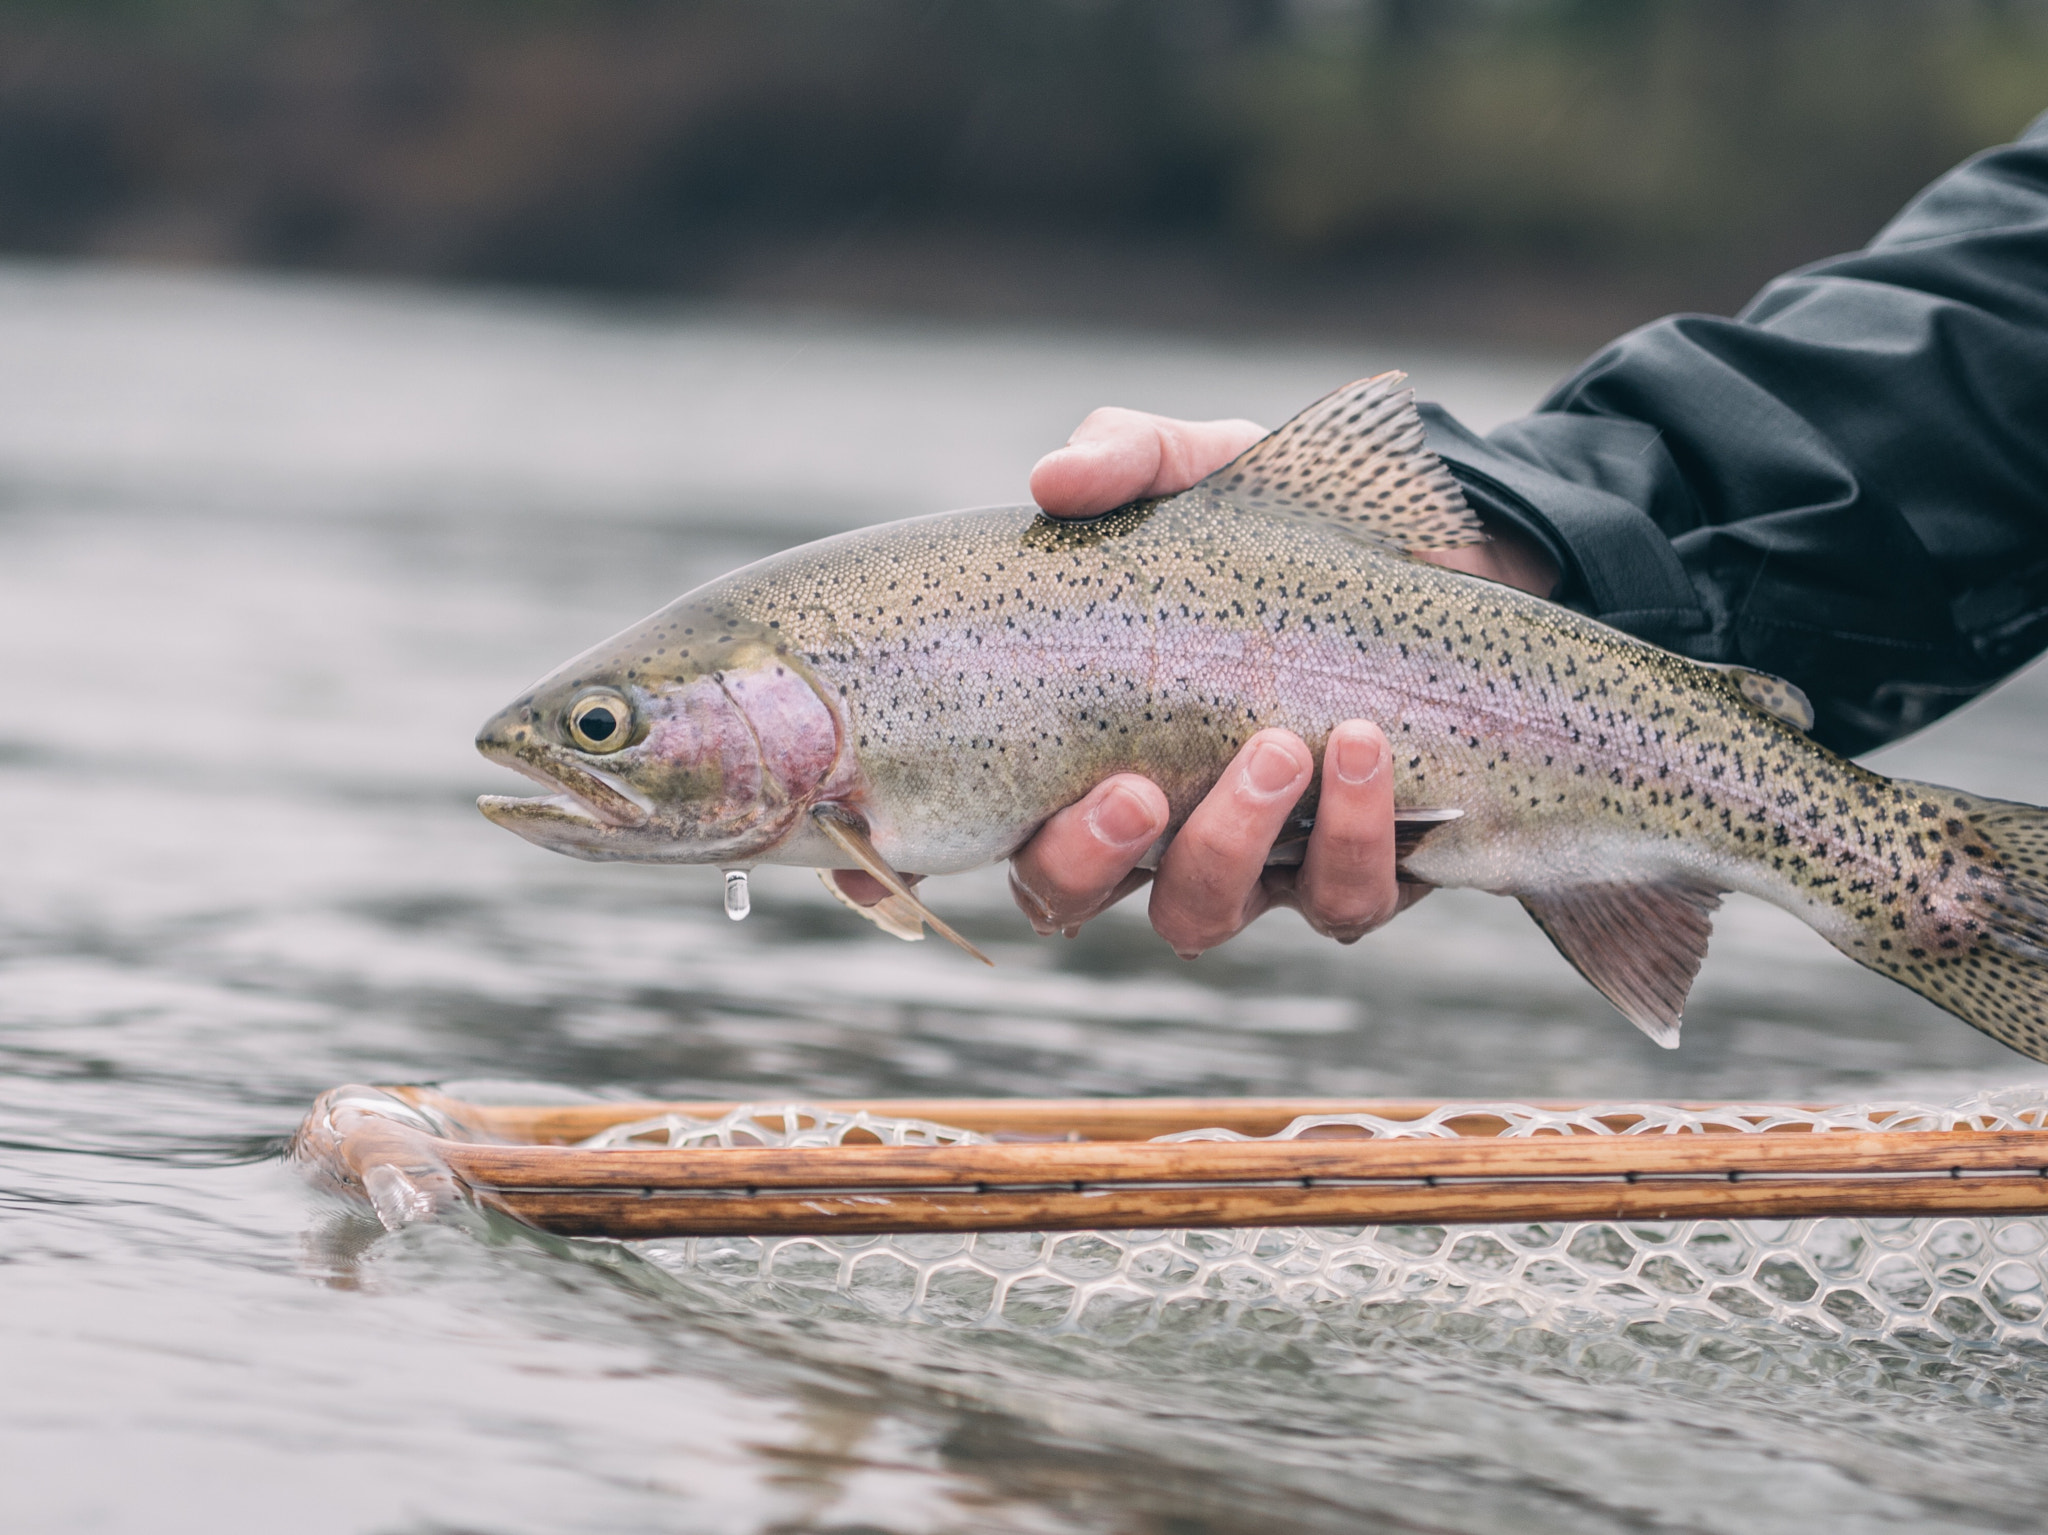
[(921, 696)]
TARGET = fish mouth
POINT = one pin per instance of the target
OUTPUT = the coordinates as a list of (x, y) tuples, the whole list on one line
[(583, 797), (552, 820)]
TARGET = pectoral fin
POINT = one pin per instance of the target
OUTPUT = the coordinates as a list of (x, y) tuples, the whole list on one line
[(1410, 827), (890, 914), (1355, 458), (1640, 945), (851, 837)]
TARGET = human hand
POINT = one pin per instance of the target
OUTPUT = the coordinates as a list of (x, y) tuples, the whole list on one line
[(1213, 880), (1119, 455)]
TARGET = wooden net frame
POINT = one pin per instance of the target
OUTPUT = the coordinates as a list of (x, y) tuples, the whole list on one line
[(1076, 1164)]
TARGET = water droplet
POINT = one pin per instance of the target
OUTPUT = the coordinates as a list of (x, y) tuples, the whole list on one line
[(738, 902)]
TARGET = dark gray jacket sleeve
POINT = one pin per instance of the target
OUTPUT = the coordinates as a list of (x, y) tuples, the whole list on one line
[(1846, 484)]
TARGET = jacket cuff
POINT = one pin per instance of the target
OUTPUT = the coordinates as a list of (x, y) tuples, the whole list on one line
[(1618, 565)]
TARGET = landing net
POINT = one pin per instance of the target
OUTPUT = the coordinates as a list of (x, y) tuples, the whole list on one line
[(1943, 1302)]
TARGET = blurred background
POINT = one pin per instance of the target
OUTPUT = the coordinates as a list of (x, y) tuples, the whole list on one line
[(1523, 171)]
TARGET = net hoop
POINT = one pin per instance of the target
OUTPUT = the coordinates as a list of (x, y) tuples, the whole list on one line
[(646, 1170)]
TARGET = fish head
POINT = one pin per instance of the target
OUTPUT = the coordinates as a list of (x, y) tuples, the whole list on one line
[(692, 737)]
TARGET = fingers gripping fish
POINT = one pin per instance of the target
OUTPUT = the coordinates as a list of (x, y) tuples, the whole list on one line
[(918, 698)]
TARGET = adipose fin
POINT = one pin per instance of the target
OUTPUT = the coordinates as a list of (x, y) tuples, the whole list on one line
[(1773, 695)]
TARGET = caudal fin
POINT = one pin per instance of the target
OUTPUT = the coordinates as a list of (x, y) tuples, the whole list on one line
[(1974, 936)]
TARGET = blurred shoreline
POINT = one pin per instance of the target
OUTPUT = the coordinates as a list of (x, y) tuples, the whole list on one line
[(1144, 285), (1522, 172)]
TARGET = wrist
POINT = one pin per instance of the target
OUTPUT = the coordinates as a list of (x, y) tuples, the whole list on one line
[(1508, 556)]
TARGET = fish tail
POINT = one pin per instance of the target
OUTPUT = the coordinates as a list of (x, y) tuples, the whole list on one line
[(1968, 930)]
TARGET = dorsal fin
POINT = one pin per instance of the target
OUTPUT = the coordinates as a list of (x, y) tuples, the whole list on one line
[(1640, 945), (1773, 695), (1356, 458)]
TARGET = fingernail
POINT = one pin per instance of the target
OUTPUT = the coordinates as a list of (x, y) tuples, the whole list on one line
[(1272, 768), (1121, 817), (1358, 757)]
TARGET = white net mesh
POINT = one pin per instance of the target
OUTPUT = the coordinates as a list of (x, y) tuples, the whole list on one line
[(800, 1124), (2010, 1110), (1954, 1304), (782, 1124)]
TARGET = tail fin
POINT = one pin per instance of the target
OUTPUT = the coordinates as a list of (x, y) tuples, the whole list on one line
[(1976, 940)]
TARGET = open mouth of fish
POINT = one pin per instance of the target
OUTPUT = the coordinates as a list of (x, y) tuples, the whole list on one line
[(582, 797)]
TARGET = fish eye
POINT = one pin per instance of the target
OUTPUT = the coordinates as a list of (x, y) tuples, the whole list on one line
[(600, 722)]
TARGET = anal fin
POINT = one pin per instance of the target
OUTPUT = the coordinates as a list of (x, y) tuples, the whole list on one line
[(851, 837), (1639, 944)]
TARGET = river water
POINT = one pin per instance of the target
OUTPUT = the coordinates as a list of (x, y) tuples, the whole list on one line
[(270, 551)]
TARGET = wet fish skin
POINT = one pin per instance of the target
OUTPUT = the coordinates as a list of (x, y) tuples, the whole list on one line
[(952, 681)]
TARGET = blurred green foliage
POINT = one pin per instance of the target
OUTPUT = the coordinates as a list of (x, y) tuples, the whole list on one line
[(1667, 128), (1679, 148)]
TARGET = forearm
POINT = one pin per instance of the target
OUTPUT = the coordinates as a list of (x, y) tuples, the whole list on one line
[(1846, 485)]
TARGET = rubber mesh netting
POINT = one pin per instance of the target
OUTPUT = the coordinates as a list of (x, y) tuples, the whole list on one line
[(1947, 1303)]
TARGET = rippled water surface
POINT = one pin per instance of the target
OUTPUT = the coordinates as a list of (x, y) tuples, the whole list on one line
[(268, 553)]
